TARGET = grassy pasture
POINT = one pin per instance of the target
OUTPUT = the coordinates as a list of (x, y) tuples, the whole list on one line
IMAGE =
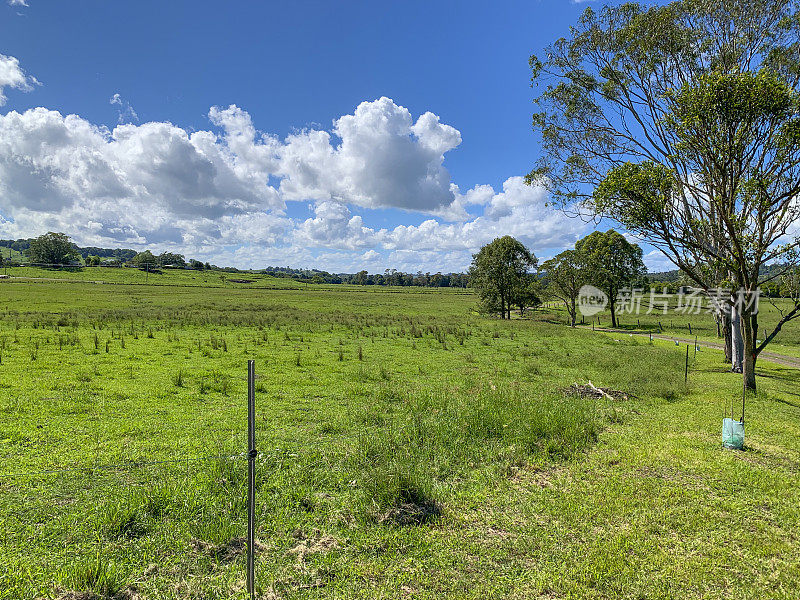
[(170, 277), (8, 253), (409, 448)]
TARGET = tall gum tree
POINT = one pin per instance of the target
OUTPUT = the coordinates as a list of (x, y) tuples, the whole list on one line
[(499, 272), (564, 275), (612, 263), (627, 134)]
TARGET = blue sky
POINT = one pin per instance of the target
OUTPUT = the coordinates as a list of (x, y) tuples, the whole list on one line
[(311, 134)]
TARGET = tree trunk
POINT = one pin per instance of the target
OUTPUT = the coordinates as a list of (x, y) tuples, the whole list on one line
[(613, 313), (749, 335), (725, 320), (572, 313), (737, 342)]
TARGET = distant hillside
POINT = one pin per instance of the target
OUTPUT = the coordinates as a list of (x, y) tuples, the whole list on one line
[(668, 276), (676, 274), (123, 254)]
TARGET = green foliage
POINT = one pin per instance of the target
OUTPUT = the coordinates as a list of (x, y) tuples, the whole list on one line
[(564, 275), (499, 272), (612, 263), (196, 265), (741, 135), (636, 195), (53, 249), (170, 259), (527, 293), (145, 260), (714, 102)]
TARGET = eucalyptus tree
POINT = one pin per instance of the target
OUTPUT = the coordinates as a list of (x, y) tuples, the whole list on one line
[(499, 272), (611, 263), (564, 276), (679, 122)]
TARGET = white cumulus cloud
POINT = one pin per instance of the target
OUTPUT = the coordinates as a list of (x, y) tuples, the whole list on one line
[(383, 159), (220, 194), (12, 76), (333, 226), (519, 210), (153, 181)]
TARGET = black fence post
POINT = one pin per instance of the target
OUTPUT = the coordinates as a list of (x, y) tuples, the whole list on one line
[(251, 477), (686, 374)]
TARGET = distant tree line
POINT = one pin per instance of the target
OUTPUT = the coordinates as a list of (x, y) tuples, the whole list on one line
[(388, 277), (559, 278), (17, 245), (56, 249), (779, 280), (121, 254)]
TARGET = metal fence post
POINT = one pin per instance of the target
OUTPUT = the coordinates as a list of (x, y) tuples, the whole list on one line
[(686, 374), (251, 477)]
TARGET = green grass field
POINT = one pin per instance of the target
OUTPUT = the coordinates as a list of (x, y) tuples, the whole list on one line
[(679, 322), (409, 448), (170, 277), (9, 254)]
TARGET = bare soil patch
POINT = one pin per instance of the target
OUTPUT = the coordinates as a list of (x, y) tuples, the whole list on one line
[(412, 513)]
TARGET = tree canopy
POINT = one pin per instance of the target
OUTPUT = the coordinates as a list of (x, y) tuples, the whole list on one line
[(499, 273), (53, 249), (145, 260), (679, 122), (612, 263), (565, 274), (171, 259)]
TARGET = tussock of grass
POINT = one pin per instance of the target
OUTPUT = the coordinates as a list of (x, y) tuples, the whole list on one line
[(125, 521), (96, 574), (433, 438), (138, 512)]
